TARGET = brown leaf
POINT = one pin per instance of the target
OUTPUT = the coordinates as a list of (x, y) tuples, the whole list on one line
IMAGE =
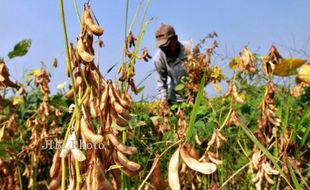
[(157, 180)]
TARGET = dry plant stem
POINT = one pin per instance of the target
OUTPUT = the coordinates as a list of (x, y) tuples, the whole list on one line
[(139, 38), (63, 174), (222, 126), (227, 117), (78, 176), (303, 179), (125, 41), (161, 142), (244, 152), (136, 15), (234, 174), (77, 166), (81, 101), (19, 176), (155, 163), (131, 24), (63, 163), (68, 63), (248, 132), (77, 108), (77, 11), (239, 170), (123, 177), (88, 88), (142, 29), (279, 183), (98, 55), (125, 85), (34, 177)]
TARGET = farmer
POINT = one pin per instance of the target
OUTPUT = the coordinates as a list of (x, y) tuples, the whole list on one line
[(169, 63)]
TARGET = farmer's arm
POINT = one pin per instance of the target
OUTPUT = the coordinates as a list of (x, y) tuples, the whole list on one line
[(162, 86)]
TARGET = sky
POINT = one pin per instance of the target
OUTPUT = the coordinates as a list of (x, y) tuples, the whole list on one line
[(238, 23)]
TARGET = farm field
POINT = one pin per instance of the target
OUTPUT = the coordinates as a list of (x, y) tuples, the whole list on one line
[(101, 133)]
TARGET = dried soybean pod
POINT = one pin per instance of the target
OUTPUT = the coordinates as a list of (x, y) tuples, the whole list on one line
[(56, 163), (173, 171), (121, 147), (123, 169), (88, 133), (118, 119), (132, 166), (81, 49), (202, 167), (88, 20), (124, 103)]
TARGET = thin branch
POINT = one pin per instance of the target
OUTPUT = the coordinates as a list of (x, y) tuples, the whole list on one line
[(156, 160)]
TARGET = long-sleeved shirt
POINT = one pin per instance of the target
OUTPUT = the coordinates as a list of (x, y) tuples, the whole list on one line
[(172, 68)]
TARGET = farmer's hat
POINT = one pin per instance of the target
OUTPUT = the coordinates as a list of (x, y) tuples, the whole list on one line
[(163, 35)]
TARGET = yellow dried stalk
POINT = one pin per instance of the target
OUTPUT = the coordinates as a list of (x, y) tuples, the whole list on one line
[(267, 126), (98, 100)]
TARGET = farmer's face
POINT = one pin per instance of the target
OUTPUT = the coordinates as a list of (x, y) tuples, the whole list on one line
[(171, 48)]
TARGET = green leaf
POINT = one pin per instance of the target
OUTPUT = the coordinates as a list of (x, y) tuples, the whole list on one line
[(113, 167), (111, 68), (293, 176), (28, 76), (119, 128), (194, 112), (18, 100), (306, 134), (6, 144), (199, 124), (202, 110), (265, 151), (184, 105), (141, 123), (20, 49), (179, 87), (4, 155), (140, 89), (154, 118), (174, 107)]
